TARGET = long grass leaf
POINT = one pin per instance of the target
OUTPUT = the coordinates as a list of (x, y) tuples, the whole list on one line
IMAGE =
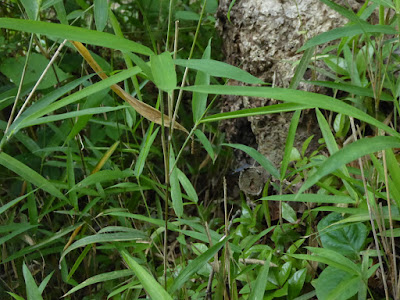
[(100, 278), (74, 33), (218, 69), (261, 282), (32, 290), (314, 198), (258, 157), (195, 265), (152, 287), (289, 142), (312, 100), (348, 154), (29, 175)]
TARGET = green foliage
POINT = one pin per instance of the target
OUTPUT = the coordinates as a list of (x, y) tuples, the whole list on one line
[(105, 199)]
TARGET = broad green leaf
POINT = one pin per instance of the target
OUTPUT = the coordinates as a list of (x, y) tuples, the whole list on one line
[(29, 175), (312, 100), (313, 198), (258, 157), (195, 265), (104, 238), (176, 194), (15, 296), (61, 12), (100, 14), (261, 282), (32, 290), (346, 31), (296, 283), (199, 100), (152, 287), (218, 69), (100, 278), (32, 8), (101, 176), (347, 239), (12, 67), (348, 154), (206, 143), (335, 284), (187, 186), (289, 143), (74, 33), (256, 111), (163, 70)]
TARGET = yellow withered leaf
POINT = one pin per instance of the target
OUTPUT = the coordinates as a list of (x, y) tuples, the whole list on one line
[(142, 108)]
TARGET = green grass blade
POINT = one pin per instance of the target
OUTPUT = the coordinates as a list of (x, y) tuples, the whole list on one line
[(152, 287), (199, 100), (73, 114), (45, 281), (312, 100), (346, 31), (176, 193), (187, 186), (289, 143), (74, 33), (29, 175), (352, 89), (205, 142), (144, 151), (32, 8), (256, 111), (258, 157), (314, 198), (14, 202), (195, 265), (261, 282), (101, 176), (100, 278), (218, 69), (32, 290), (301, 68), (348, 154), (349, 14), (163, 70), (104, 238), (47, 242), (100, 14)]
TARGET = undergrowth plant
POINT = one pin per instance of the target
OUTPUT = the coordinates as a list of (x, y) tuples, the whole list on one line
[(113, 167)]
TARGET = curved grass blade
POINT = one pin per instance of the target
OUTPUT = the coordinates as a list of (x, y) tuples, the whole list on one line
[(206, 143), (301, 68), (74, 33), (144, 151), (195, 265), (187, 186), (29, 175), (152, 287), (15, 201), (100, 14), (258, 157), (100, 278), (218, 69), (100, 176), (312, 100), (348, 154), (104, 238)]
